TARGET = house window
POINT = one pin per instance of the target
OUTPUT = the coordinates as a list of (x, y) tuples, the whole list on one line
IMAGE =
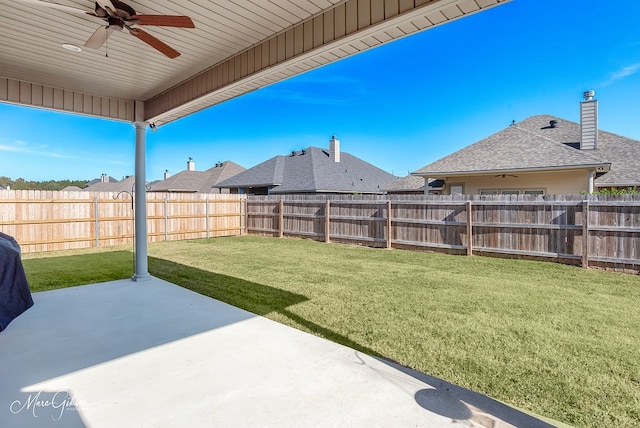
[(511, 192), (456, 189)]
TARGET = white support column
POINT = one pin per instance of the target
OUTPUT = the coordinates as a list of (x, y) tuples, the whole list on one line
[(140, 197)]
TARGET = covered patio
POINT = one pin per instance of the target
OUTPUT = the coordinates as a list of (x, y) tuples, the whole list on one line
[(152, 353), (150, 63), (156, 354)]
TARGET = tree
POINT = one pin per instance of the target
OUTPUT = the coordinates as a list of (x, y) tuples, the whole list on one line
[(22, 184)]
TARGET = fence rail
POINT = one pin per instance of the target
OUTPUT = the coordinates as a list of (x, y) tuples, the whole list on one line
[(597, 231), (591, 230), (48, 220)]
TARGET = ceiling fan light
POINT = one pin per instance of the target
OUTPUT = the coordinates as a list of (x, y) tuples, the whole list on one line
[(72, 48)]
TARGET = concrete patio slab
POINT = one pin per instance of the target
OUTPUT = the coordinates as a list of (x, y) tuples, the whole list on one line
[(145, 354)]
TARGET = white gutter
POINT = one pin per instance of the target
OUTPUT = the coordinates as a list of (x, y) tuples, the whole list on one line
[(599, 167)]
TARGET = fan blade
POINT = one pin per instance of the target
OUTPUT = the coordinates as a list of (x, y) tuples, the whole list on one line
[(62, 7), (100, 36), (107, 6), (164, 20), (154, 42)]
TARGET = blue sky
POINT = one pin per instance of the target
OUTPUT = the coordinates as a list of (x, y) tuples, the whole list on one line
[(400, 106)]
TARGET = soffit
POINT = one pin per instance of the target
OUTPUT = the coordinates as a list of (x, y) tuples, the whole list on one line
[(236, 47)]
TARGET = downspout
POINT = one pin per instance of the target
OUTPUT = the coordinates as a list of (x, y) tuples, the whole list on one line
[(591, 178), (140, 191)]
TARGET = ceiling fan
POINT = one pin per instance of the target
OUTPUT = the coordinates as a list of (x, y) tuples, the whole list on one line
[(118, 16)]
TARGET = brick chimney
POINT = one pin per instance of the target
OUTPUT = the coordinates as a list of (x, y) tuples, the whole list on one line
[(166, 174), (191, 166), (334, 149), (589, 121)]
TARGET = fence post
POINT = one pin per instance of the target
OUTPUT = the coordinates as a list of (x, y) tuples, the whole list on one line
[(97, 221), (389, 224), (166, 219), (469, 230), (327, 222), (240, 214), (206, 216), (281, 219), (585, 233), (246, 215)]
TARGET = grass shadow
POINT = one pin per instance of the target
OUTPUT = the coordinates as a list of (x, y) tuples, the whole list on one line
[(257, 298)]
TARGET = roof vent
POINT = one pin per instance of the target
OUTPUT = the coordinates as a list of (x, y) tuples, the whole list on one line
[(553, 123), (588, 95)]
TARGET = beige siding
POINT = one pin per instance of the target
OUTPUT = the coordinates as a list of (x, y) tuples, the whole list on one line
[(552, 183)]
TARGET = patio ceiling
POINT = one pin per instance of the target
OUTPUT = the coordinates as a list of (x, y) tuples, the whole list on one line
[(237, 46)]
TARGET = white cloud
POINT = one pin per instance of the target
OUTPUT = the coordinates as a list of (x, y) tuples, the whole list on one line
[(626, 71), (13, 149), (58, 156), (23, 147)]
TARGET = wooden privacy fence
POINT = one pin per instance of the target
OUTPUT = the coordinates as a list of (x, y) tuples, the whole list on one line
[(597, 231), (48, 220), (589, 230)]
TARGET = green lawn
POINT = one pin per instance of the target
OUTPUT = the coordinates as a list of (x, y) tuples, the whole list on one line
[(552, 339)]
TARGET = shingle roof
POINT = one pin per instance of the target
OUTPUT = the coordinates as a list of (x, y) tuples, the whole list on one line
[(124, 185), (408, 183), (533, 144), (267, 173), (197, 181), (311, 170), (109, 179), (412, 183)]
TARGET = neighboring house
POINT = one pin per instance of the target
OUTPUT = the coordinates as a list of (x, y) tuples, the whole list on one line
[(542, 155), (104, 178), (414, 185), (312, 170), (72, 189), (192, 181), (124, 185)]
